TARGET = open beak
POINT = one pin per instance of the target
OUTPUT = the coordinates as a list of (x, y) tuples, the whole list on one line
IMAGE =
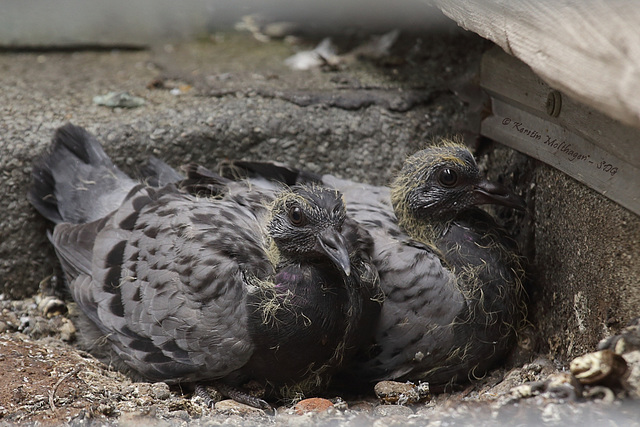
[(335, 246), (486, 192)]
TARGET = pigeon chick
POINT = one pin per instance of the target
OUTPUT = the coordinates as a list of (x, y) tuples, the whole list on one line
[(452, 278), (234, 286)]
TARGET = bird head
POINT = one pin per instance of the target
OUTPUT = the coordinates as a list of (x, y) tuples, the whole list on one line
[(438, 183), (306, 223)]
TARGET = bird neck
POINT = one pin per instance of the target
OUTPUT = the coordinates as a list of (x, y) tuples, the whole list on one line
[(420, 228), (425, 232)]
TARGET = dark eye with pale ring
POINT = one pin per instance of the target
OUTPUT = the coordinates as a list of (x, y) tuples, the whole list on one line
[(296, 216), (448, 177)]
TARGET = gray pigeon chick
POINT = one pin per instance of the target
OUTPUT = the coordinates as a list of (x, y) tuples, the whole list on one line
[(208, 280), (452, 279)]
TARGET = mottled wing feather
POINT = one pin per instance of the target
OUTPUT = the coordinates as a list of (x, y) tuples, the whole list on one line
[(74, 246), (421, 305), (431, 327), (166, 281), (412, 277)]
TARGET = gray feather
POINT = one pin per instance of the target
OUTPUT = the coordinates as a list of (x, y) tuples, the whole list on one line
[(450, 275), (207, 279)]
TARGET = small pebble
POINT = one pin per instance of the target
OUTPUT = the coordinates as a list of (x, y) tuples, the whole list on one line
[(393, 392), (231, 407), (314, 404), (563, 385), (601, 393), (51, 306), (67, 330), (389, 410), (118, 100), (362, 406), (598, 367), (160, 391), (632, 379), (522, 391)]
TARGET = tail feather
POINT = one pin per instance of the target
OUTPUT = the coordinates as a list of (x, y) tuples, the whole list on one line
[(75, 181), (41, 194), (271, 171), (203, 182), (157, 173)]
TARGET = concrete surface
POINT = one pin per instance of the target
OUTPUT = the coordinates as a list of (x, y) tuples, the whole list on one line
[(583, 252), (236, 98), (587, 284)]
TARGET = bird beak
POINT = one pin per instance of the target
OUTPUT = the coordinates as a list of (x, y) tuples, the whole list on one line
[(493, 193), (334, 245)]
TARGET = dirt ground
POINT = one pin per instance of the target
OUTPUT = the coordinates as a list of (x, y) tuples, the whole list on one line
[(48, 381)]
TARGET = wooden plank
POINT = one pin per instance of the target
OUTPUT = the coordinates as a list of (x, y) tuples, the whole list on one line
[(587, 49), (506, 78), (531, 117), (578, 157)]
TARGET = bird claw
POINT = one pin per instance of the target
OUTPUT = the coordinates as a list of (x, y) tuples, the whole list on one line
[(202, 392), (242, 396), (268, 409)]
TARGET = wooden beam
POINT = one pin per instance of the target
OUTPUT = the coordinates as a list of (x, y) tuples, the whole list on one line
[(587, 49), (530, 116)]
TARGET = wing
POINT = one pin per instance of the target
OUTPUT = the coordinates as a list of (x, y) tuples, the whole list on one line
[(422, 301), (165, 282)]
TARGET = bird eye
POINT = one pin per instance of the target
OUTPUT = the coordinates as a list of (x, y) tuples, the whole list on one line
[(448, 177), (296, 216)]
